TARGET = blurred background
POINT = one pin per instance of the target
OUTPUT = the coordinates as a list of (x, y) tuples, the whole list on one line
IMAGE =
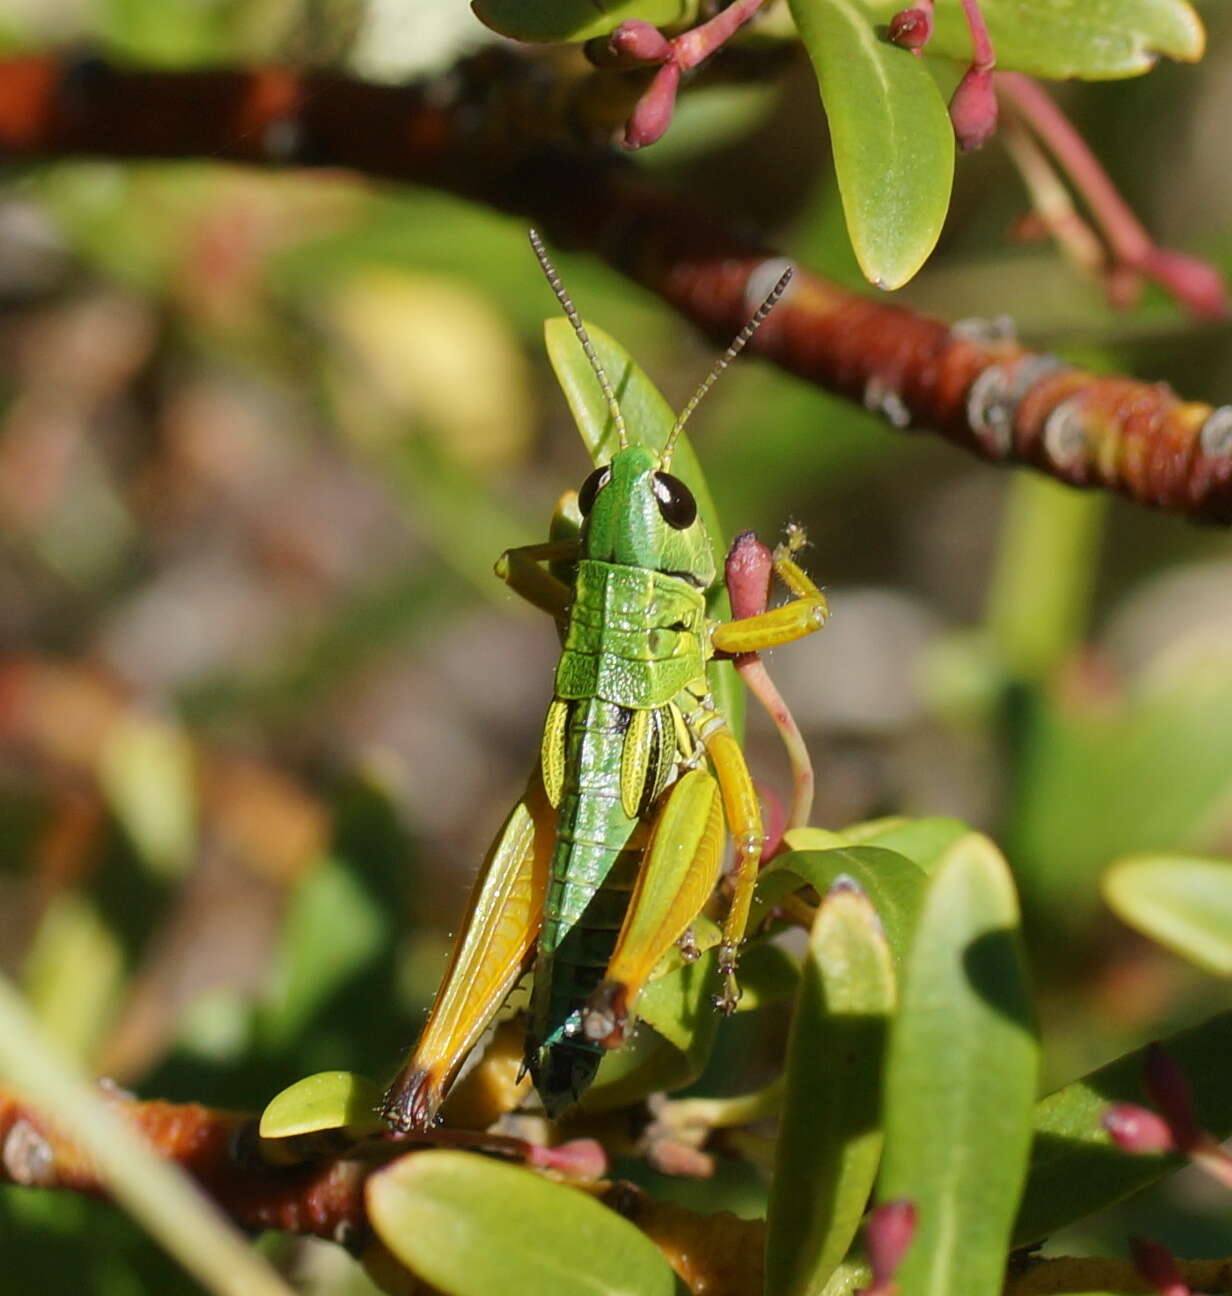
[(263, 704)]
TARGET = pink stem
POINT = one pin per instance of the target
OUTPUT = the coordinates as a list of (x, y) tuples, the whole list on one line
[(752, 670), (1124, 231), (640, 41), (984, 59), (1051, 200), (1211, 1158), (1156, 1265), (691, 47), (1195, 283)]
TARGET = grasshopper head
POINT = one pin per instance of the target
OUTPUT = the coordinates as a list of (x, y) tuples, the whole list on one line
[(636, 513)]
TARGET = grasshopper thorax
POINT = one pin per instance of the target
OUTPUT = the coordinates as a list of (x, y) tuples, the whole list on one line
[(636, 513)]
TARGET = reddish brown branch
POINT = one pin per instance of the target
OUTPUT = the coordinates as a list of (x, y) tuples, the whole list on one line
[(492, 133), (217, 1148), (716, 1254)]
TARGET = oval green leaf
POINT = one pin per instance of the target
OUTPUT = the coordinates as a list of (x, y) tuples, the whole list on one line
[(814, 839), (471, 1226), (923, 841), (575, 20), (1095, 39), (960, 1077), (891, 135), (893, 883), (328, 1100), (1182, 902), (830, 1139)]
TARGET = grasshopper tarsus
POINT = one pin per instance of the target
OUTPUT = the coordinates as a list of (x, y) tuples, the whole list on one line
[(729, 996), (728, 999)]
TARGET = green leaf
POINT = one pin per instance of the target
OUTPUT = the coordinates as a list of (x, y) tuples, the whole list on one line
[(649, 419), (575, 20), (923, 841), (768, 974), (960, 1077), (1075, 1167), (891, 135), (1181, 902), (815, 839), (328, 1100), (893, 883), (830, 1140), (858, 833), (1057, 38), (472, 1226)]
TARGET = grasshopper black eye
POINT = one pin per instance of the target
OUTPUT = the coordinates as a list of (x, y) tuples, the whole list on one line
[(676, 502), (591, 487)]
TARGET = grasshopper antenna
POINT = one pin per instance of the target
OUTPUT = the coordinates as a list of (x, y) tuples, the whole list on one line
[(724, 360), (549, 270)]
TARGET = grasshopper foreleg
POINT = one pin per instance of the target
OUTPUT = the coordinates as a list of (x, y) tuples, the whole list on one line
[(523, 571)]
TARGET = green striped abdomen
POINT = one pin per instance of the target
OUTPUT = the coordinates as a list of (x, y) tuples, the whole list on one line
[(591, 877)]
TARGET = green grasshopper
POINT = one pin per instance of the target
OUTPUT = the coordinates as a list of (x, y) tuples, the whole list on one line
[(617, 844)]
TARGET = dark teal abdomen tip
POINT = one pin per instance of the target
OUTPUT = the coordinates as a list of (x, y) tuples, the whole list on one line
[(563, 1072)]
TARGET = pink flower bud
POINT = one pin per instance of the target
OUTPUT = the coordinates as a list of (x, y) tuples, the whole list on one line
[(1138, 1129), (973, 109), (911, 28), (1195, 283), (748, 570), (636, 39), (887, 1235), (653, 114), (578, 1158), (1156, 1265), (672, 1157)]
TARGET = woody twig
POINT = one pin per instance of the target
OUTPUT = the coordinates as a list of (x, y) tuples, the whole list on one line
[(494, 132)]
